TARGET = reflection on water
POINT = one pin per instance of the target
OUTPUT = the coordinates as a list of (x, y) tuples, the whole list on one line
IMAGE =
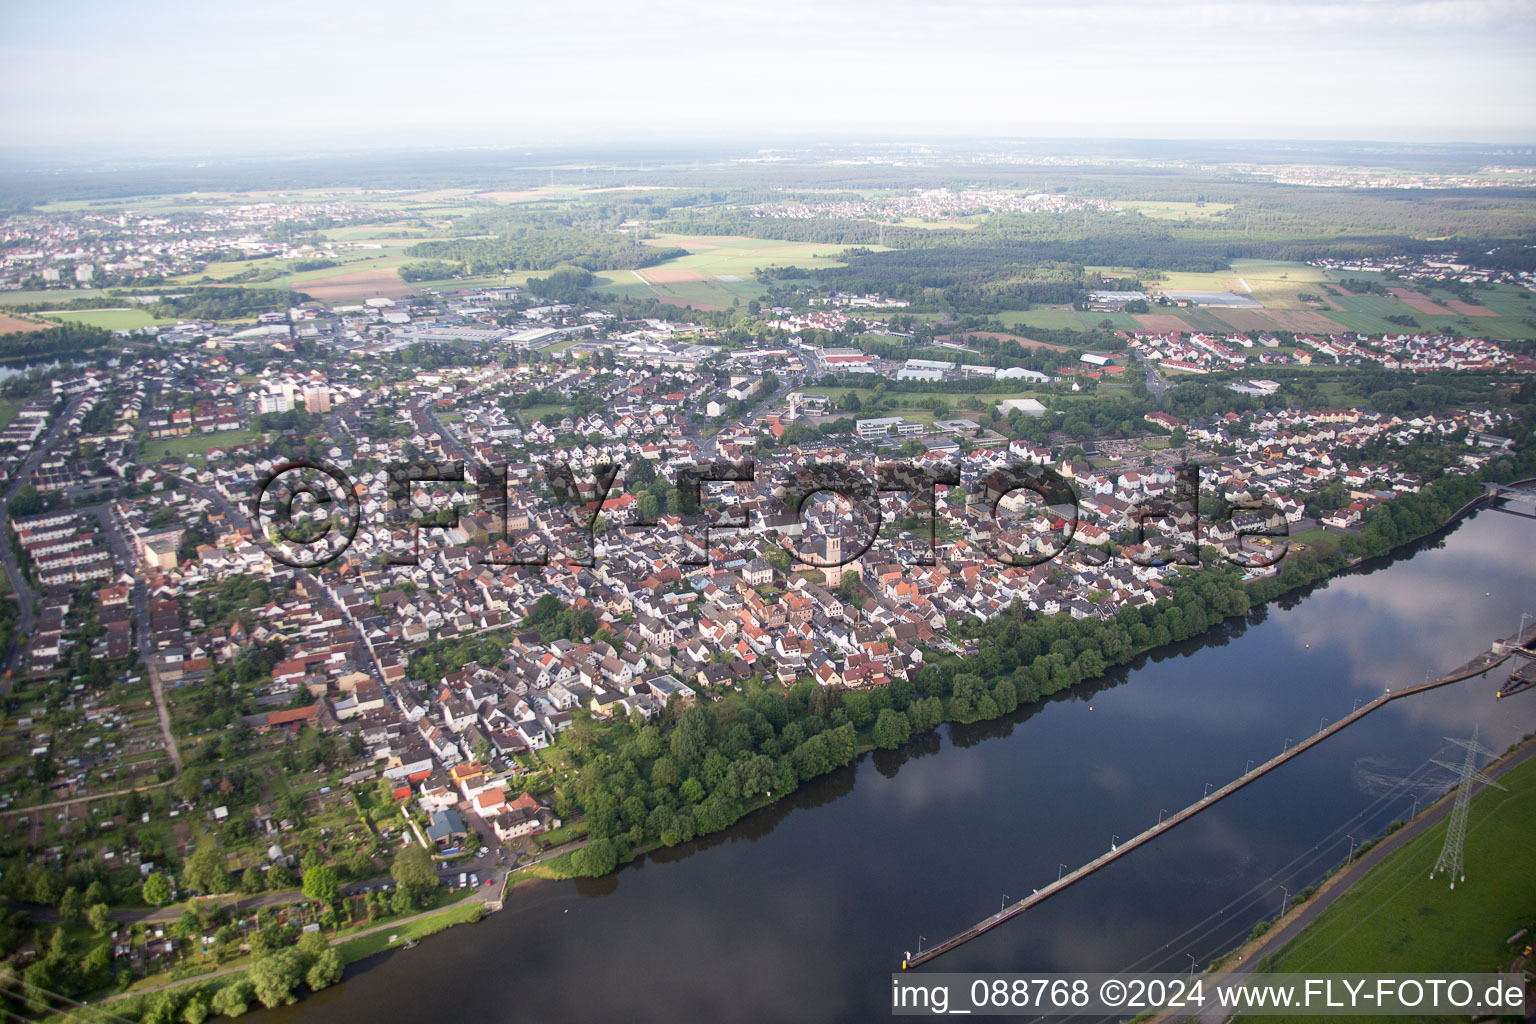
[(803, 909)]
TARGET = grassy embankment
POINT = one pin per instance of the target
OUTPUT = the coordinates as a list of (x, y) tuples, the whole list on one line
[(1396, 920)]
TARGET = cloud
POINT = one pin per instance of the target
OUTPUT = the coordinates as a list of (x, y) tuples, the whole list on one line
[(496, 70)]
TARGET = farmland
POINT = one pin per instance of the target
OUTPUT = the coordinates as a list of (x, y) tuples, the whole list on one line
[(11, 324), (380, 279), (1500, 312)]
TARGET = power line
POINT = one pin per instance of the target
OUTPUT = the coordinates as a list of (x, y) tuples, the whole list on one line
[(65, 999), (1452, 854), (1365, 891), (1303, 861), (46, 1008)]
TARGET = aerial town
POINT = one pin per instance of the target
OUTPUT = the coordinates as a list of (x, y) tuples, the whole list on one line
[(342, 602)]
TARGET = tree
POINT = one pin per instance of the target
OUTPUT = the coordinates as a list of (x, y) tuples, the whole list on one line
[(28, 501), (157, 889), (892, 728), (251, 881), (325, 971), (648, 742), (275, 975), (694, 735), (320, 884), (596, 858), (97, 917), (402, 902), (414, 872), (279, 877), (196, 1011), (204, 871), (71, 906), (311, 945), (233, 999)]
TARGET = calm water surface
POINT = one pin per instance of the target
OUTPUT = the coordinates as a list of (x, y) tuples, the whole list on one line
[(801, 911)]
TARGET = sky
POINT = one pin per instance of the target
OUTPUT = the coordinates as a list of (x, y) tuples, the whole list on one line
[(181, 77)]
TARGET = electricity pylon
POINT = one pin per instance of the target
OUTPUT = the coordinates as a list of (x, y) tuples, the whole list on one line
[(1451, 855)]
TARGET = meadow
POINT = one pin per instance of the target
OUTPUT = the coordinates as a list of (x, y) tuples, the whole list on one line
[(905, 403), (1279, 285), (717, 270), (1397, 920), (194, 445), (1168, 210), (110, 319)]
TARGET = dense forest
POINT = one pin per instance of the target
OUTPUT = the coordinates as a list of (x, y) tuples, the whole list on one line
[(533, 248), (225, 303)]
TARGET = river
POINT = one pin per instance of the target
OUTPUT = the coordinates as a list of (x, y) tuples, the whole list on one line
[(801, 911)]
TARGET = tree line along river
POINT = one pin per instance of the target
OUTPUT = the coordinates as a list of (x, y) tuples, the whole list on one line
[(802, 910)]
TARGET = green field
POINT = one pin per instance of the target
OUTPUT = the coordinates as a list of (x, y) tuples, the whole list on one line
[(712, 257), (353, 950), (195, 444), (1055, 318), (941, 223), (1396, 920), (1278, 285), (110, 319), (32, 297), (1165, 210), (549, 415), (902, 403), (8, 410)]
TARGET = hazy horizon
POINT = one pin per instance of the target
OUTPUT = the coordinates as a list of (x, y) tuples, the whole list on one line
[(174, 77)]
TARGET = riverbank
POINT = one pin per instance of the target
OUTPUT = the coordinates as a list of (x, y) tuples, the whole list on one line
[(149, 996), (1372, 914), (822, 885), (1479, 665), (887, 762)]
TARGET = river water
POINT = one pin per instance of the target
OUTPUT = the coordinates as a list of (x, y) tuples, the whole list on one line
[(801, 911)]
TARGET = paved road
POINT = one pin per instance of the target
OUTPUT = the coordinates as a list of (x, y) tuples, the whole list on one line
[(236, 516), (1155, 384)]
